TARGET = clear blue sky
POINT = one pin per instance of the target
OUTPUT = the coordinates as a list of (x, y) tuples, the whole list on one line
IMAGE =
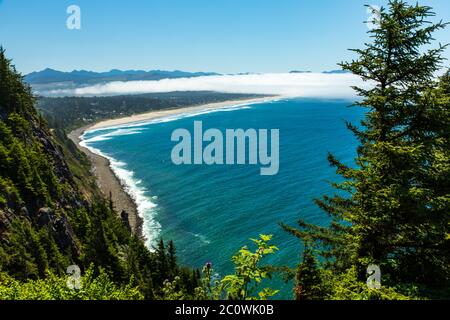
[(226, 36)]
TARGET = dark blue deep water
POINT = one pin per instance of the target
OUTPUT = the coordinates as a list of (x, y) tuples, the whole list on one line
[(211, 211)]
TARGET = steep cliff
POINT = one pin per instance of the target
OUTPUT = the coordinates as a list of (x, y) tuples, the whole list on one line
[(51, 213)]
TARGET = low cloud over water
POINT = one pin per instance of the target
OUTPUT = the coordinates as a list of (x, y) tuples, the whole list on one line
[(310, 85)]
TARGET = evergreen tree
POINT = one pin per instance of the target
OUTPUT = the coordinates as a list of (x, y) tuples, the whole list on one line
[(308, 277), (172, 259), (162, 263), (52, 213), (393, 208)]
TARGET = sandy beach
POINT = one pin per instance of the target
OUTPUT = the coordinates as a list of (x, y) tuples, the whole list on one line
[(170, 112), (108, 181)]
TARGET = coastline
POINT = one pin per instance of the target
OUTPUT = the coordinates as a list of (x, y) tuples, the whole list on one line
[(142, 117), (108, 181)]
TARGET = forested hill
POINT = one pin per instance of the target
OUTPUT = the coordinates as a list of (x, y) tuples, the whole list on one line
[(52, 215), (71, 112), (89, 77)]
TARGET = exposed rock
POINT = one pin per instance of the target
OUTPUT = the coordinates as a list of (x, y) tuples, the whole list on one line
[(44, 216), (125, 219), (5, 220), (25, 211), (54, 150), (65, 235)]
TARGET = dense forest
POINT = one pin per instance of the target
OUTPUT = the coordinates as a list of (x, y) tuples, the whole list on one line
[(390, 212), (53, 216), (71, 112)]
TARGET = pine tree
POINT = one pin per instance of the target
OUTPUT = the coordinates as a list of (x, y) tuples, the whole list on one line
[(15, 95), (308, 278), (161, 262), (51, 216), (393, 207), (172, 259)]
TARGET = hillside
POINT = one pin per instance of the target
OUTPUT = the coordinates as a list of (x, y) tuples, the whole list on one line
[(72, 112), (90, 77), (51, 212)]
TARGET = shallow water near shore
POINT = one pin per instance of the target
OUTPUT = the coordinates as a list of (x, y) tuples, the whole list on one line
[(211, 211)]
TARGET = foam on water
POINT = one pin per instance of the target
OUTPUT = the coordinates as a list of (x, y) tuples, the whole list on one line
[(211, 211), (145, 207), (145, 203), (179, 116)]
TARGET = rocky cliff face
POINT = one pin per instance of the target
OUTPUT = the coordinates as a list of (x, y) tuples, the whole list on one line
[(38, 194), (52, 214)]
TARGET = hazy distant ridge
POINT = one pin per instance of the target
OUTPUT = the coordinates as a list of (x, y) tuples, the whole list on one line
[(48, 75), (88, 77)]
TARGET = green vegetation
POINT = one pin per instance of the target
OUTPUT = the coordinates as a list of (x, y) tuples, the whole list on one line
[(98, 284), (393, 208), (249, 273), (72, 112), (52, 214), (99, 287)]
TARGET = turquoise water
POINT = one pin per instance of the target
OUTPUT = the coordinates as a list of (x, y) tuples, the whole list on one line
[(211, 211)]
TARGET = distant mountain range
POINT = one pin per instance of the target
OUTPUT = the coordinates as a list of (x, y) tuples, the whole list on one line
[(77, 77), (336, 72), (299, 71), (48, 76)]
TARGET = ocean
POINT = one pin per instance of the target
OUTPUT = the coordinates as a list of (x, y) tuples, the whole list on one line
[(211, 211)]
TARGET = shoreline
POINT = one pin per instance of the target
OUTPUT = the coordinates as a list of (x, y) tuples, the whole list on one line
[(151, 115), (107, 180), (109, 183)]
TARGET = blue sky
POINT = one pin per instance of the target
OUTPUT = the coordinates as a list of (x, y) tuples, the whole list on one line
[(227, 36)]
